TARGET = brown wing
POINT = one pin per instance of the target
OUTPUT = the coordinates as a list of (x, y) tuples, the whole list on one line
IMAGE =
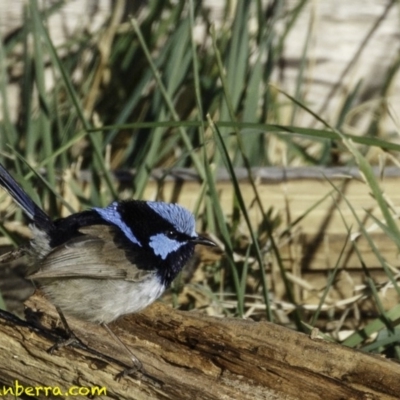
[(92, 255)]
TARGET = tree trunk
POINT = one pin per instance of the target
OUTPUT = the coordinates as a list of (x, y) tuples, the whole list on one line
[(187, 355)]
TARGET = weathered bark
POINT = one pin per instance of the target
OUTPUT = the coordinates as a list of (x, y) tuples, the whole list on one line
[(189, 355)]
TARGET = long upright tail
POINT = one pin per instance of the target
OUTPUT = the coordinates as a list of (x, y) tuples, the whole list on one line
[(31, 209)]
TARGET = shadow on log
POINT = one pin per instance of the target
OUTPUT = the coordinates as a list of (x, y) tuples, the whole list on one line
[(191, 356)]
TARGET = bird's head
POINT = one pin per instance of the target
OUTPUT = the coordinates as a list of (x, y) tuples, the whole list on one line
[(160, 235)]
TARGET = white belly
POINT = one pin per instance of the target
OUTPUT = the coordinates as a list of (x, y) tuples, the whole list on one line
[(102, 301)]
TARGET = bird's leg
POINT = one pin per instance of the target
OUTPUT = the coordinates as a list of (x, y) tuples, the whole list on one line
[(137, 364), (71, 339)]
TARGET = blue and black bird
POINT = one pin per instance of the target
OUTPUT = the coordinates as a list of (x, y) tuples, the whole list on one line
[(102, 263)]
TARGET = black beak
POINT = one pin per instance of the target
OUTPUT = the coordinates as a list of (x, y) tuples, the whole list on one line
[(203, 240)]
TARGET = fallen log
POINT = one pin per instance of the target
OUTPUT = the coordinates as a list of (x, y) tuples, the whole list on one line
[(187, 355)]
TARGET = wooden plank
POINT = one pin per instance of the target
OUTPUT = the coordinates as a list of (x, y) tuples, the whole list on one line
[(315, 242), (321, 234), (318, 239)]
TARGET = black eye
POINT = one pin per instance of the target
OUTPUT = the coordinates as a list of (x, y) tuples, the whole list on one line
[(171, 235)]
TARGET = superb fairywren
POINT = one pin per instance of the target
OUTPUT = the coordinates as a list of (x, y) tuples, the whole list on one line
[(102, 263)]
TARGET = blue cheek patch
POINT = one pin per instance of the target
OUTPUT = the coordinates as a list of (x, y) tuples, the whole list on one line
[(111, 215), (163, 245)]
